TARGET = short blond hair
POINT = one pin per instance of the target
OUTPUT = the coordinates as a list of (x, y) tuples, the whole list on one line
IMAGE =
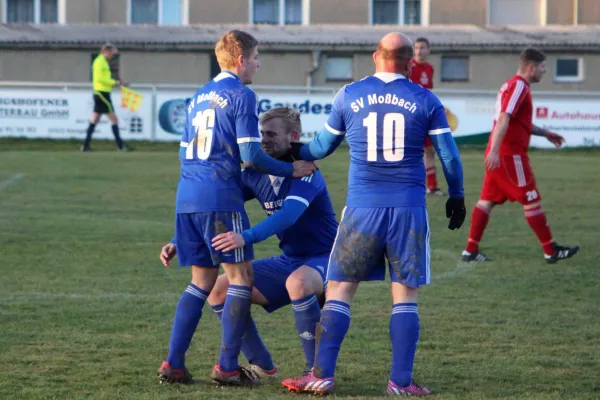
[(232, 45), (108, 46), (289, 116)]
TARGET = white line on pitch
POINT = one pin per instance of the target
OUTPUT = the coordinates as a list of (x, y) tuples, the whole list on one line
[(11, 180)]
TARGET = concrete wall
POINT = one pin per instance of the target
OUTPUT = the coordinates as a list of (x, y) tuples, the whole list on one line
[(113, 11), (487, 71), (458, 12), (339, 12), (82, 11), (589, 11), (560, 12), (219, 12)]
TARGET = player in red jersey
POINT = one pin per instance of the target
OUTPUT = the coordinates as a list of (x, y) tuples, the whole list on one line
[(422, 73), (508, 174)]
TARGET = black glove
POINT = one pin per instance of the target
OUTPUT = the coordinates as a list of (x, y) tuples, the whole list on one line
[(456, 211)]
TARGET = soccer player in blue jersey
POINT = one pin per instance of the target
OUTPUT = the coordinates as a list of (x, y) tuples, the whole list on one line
[(386, 119), (302, 217), (221, 131)]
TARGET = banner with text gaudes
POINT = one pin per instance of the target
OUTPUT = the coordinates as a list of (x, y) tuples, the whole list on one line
[(172, 109)]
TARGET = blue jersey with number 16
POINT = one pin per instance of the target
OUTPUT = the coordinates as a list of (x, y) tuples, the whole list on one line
[(386, 119), (222, 114)]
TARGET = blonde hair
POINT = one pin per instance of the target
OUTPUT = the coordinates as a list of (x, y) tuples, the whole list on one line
[(289, 116), (232, 45)]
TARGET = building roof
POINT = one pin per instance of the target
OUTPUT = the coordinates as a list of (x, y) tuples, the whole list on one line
[(341, 37)]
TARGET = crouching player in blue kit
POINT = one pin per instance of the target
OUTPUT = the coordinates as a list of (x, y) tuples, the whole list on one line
[(221, 131), (302, 217), (386, 119)]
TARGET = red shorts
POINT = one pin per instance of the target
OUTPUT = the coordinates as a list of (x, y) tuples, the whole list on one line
[(428, 142), (512, 181)]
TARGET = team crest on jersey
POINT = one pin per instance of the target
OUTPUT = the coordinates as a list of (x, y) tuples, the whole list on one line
[(424, 78), (276, 182)]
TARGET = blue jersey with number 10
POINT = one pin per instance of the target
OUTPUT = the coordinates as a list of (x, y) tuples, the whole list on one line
[(222, 114), (386, 118)]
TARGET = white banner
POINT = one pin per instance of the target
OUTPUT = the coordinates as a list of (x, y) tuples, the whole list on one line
[(60, 114), (578, 120), (314, 108), (64, 114)]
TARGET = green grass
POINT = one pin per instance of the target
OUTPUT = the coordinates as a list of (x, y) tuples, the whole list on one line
[(87, 307)]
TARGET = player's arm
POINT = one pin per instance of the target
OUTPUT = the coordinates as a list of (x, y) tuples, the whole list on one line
[(330, 136), (447, 151), (499, 132), (554, 138), (302, 193)]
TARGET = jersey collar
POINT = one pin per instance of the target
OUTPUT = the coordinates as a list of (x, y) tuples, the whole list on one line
[(387, 77), (225, 75)]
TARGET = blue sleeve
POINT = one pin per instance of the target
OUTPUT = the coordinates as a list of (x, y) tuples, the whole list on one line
[(302, 193), (331, 135), (445, 147), (246, 187), (256, 159), (246, 117), (173, 240)]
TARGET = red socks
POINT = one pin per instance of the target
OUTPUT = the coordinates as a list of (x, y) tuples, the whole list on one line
[(537, 221), (479, 221)]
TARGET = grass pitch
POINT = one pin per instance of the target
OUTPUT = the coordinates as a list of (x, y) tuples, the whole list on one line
[(87, 307)]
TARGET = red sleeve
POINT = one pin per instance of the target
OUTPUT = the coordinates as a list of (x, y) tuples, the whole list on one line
[(513, 96), (431, 71)]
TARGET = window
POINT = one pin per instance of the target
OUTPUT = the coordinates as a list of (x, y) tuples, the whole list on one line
[(515, 12), (215, 69), (390, 12), (568, 70), (153, 12), (339, 68), (455, 69), (31, 11), (277, 12)]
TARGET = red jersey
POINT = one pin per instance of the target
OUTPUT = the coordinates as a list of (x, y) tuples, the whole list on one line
[(514, 99), (422, 73)]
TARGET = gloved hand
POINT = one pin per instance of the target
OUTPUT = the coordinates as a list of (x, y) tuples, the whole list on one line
[(456, 211)]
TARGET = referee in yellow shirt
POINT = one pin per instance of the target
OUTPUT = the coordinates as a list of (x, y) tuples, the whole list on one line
[(103, 84)]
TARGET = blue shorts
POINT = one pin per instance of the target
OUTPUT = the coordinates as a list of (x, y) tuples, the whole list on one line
[(367, 235), (270, 275), (194, 233)]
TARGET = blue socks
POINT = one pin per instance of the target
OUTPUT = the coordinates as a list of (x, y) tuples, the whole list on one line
[(187, 316), (234, 318), (335, 319), (307, 313), (404, 333), (253, 347)]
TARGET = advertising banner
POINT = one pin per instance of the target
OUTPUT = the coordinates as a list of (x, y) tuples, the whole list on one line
[(314, 108), (578, 120), (64, 114)]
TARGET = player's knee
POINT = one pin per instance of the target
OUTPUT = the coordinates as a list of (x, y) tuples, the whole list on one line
[(298, 286), (485, 205), (219, 292), (241, 275)]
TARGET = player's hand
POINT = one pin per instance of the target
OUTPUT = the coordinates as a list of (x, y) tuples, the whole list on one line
[(492, 161), (228, 241), (167, 253), (303, 168), (555, 139), (456, 211)]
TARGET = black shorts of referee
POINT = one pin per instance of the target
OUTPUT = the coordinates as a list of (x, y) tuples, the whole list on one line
[(103, 103)]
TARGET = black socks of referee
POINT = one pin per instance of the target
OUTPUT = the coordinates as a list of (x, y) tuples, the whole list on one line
[(90, 132), (88, 136), (115, 131)]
